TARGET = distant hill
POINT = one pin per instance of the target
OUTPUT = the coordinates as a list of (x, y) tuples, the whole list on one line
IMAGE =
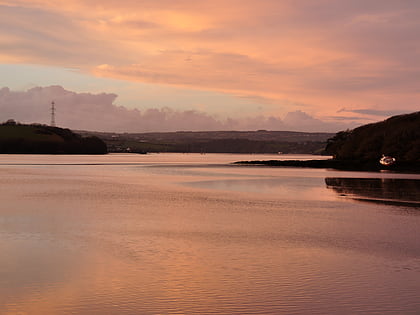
[(41, 139), (261, 141), (398, 136)]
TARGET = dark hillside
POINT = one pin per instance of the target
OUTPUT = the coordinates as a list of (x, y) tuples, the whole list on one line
[(398, 136), (261, 141), (41, 139), (362, 148)]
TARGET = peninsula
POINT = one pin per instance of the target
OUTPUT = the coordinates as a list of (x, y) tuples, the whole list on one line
[(363, 147)]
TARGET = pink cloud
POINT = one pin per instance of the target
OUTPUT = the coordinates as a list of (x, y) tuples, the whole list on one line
[(98, 112), (326, 54)]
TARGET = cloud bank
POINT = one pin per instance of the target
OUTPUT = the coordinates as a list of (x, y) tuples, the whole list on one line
[(98, 112)]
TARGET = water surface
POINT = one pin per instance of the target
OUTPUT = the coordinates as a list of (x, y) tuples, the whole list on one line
[(190, 234)]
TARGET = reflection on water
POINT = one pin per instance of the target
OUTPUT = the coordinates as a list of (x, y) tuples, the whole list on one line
[(383, 190), (285, 188), (188, 234)]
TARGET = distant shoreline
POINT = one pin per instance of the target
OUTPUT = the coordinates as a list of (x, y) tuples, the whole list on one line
[(337, 164)]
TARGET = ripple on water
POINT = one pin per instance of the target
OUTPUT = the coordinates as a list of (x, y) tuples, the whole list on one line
[(113, 240)]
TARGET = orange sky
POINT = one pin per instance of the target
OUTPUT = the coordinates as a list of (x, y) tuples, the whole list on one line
[(331, 59)]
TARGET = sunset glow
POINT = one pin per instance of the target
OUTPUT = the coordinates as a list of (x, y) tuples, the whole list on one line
[(341, 63)]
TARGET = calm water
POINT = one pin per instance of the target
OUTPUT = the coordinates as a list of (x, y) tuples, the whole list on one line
[(190, 234)]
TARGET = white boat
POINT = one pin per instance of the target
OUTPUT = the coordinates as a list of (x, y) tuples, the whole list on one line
[(387, 160)]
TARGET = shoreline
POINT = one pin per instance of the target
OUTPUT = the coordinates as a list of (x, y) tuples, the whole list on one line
[(412, 167)]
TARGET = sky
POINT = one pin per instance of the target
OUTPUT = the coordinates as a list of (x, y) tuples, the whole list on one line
[(166, 65)]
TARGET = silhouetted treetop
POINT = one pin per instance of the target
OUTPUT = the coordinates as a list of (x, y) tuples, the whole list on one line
[(398, 136)]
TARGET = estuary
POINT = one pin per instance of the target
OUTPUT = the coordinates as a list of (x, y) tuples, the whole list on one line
[(194, 234)]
